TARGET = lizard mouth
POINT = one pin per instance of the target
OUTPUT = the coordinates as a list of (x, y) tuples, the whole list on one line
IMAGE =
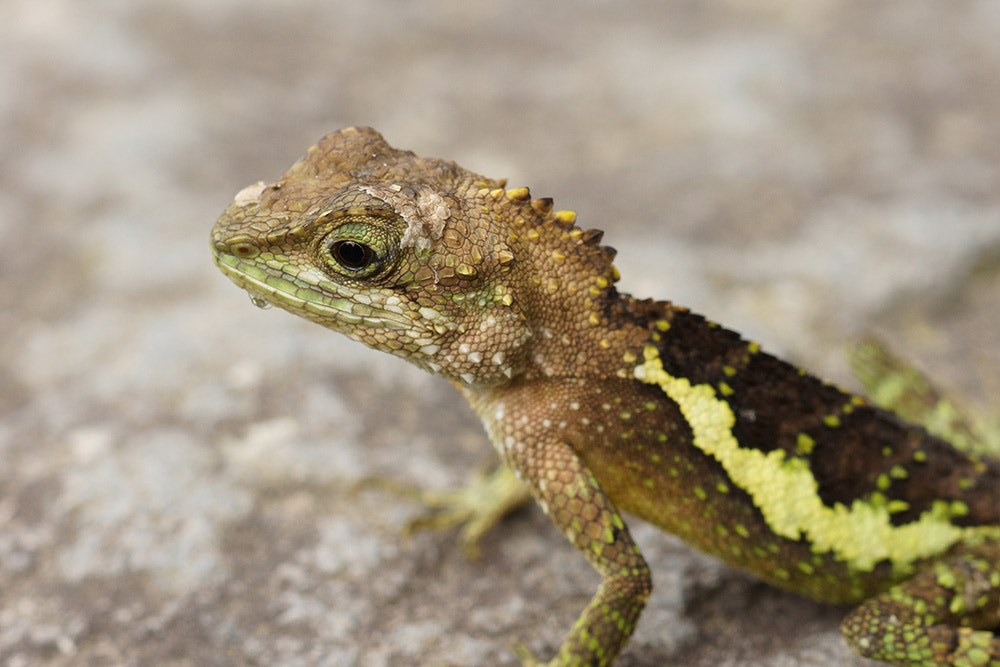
[(311, 296)]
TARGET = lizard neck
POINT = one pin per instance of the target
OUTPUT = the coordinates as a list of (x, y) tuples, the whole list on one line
[(563, 286), (557, 313)]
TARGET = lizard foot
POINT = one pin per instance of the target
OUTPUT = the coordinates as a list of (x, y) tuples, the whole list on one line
[(476, 507)]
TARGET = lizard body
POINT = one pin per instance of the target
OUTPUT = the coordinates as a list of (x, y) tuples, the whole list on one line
[(603, 403)]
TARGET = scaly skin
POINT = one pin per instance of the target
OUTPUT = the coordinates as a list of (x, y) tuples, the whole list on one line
[(603, 403)]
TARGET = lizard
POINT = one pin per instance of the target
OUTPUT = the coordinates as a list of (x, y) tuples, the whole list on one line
[(603, 404)]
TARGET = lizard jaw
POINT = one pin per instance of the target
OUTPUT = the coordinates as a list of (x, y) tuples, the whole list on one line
[(274, 288)]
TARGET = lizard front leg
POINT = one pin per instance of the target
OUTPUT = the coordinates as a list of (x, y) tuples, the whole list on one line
[(571, 497)]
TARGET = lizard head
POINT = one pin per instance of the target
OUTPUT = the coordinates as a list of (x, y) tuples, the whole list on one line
[(416, 257)]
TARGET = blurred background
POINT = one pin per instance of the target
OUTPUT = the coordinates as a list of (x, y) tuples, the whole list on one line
[(178, 468)]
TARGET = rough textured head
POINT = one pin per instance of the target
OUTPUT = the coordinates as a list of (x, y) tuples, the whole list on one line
[(418, 257)]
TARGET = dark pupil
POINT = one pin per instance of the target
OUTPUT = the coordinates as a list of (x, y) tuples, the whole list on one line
[(351, 254)]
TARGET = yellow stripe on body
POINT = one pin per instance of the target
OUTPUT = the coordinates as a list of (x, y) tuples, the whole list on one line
[(786, 492)]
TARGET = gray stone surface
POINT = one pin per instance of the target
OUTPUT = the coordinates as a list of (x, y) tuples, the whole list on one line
[(176, 466)]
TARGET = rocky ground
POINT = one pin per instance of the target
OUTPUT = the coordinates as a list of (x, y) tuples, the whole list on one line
[(177, 468)]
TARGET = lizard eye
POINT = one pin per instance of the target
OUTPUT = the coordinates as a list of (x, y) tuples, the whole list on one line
[(362, 247), (352, 255)]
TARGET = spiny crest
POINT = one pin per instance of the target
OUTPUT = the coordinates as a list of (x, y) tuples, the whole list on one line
[(535, 220)]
